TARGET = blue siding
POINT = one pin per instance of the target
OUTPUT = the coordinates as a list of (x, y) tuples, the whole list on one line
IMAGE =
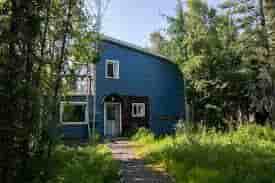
[(142, 75), (74, 131)]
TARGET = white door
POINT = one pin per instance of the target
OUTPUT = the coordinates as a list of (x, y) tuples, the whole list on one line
[(112, 119)]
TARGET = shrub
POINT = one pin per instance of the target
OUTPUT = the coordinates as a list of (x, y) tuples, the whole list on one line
[(94, 138), (82, 165), (245, 155), (144, 136)]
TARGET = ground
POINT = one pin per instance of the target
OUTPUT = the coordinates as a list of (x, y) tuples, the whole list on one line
[(134, 169)]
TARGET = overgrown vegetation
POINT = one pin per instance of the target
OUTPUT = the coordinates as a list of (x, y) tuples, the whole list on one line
[(39, 39), (77, 164), (245, 155), (226, 54)]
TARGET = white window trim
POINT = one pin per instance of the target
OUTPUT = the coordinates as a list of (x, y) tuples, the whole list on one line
[(106, 69), (139, 115), (73, 123)]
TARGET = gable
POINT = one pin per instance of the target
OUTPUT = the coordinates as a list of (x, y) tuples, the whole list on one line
[(136, 48)]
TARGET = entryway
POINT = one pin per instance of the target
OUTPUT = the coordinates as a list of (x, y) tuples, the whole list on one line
[(112, 119), (124, 114)]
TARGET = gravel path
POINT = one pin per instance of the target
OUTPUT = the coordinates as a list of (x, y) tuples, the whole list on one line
[(134, 170)]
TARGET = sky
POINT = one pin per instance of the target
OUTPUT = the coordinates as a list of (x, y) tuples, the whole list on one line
[(134, 20)]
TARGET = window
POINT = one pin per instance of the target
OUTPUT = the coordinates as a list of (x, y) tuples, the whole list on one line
[(78, 79), (138, 110), (78, 69), (112, 69), (73, 112), (78, 85)]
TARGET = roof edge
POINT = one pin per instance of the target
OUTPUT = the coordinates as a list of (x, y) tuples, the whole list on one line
[(135, 47)]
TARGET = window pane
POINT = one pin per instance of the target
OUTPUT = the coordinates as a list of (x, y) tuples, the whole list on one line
[(135, 110), (138, 110), (78, 85), (82, 85), (111, 112), (116, 70), (74, 113), (83, 70), (110, 70)]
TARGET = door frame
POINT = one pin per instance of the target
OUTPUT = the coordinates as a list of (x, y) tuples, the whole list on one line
[(105, 116)]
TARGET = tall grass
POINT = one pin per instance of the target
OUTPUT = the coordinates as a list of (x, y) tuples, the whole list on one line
[(246, 155), (91, 164)]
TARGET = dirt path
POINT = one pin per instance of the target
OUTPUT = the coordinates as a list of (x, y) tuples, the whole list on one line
[(134, 170)]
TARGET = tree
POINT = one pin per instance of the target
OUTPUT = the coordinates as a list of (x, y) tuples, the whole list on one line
[(157, 42), (176, 49), (225, 58), (269, 15), (37, 38)]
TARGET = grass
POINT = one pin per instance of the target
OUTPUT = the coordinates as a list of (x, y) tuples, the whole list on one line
[(246, 155), (92, 164)]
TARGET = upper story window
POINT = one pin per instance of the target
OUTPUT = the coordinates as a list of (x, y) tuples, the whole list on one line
[(78, 85), (112, 69), (138, 110), (78, 78)]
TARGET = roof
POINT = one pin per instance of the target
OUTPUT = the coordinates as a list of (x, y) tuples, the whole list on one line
[(134, 47)]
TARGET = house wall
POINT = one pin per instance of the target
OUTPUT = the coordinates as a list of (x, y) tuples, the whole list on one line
[(142, 75)]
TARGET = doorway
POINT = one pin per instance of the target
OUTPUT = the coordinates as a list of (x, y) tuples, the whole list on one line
[(112, 119)]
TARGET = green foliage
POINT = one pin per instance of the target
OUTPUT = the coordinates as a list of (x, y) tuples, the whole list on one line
[(143, 135), (223, 54), (201, 155), (37, 39), (95, 138), (79, 164)]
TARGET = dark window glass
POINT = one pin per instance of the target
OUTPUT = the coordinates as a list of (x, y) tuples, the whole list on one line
[(74, 113), (110, 70), (111, 112), (135, 110)]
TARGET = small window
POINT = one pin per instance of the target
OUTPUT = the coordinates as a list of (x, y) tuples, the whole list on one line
[(112, 69), (138, 110), (73, 112)]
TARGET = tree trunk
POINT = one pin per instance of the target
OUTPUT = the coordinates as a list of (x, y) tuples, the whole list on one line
[(269, 12), (17, 126), (59, 64)]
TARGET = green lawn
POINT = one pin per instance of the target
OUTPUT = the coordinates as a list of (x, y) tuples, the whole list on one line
[(83, 165), (246, 155)]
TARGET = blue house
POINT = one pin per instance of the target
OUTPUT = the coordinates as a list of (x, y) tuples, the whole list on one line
[(132, 88)]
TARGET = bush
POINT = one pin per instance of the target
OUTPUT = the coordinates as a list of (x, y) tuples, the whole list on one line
[(144, 136), (82, 165), (245, 155)]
